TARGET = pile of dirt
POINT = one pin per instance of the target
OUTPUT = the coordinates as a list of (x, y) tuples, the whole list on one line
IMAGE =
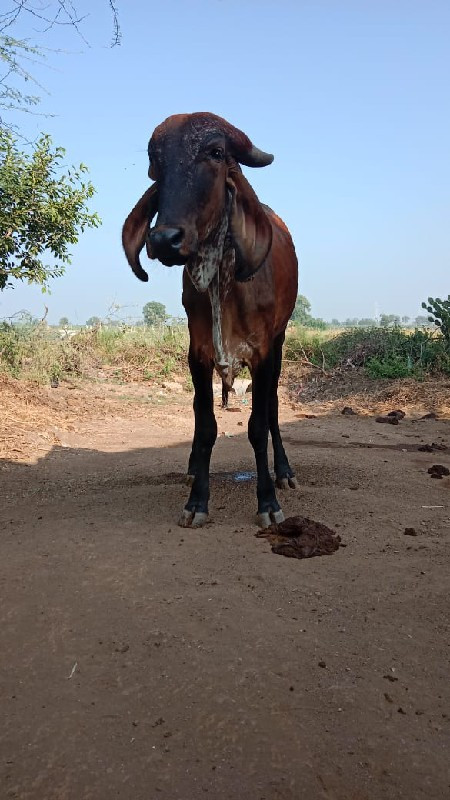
[(300, 537), (353, 388), (33, 414)]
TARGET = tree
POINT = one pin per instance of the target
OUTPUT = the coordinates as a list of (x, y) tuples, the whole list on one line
[(154, 313), (43, 208), (422, 322), (17, 53), (366, 322), (389, 320), (64, 322), (405, 320), (301, 312), (92, 322), (316, 322)]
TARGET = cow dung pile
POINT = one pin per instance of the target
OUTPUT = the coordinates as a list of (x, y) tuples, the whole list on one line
[(300, 537)]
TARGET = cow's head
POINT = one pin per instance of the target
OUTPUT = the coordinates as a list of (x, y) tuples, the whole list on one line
[(200, 195)]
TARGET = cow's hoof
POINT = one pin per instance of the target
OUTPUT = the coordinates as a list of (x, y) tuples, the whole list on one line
[(192, 519), (287, 483), (267, 518)]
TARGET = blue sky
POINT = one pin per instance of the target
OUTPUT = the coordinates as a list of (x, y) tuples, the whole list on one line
[(353, 98)]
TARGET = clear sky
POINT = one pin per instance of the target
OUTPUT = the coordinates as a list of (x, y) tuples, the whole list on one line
[(352, 97)]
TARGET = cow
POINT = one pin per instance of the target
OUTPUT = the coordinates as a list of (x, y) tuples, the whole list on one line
[(239, 285)]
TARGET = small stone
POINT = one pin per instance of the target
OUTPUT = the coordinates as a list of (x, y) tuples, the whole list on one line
[(410, 532)]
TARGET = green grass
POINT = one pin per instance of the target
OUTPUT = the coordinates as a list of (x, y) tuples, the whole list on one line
[(138, 353)]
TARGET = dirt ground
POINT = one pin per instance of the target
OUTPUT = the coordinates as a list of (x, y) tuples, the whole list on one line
[(140, 660)]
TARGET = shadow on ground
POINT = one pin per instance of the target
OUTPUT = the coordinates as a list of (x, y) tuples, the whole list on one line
[(141, 660)]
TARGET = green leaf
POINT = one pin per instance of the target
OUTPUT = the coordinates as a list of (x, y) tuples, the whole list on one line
[(41, 212)]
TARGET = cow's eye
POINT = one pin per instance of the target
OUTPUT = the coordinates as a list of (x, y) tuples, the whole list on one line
[(217, 153)]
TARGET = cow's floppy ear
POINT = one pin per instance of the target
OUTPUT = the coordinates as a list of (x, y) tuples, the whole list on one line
[(249, 226), (135, 229)]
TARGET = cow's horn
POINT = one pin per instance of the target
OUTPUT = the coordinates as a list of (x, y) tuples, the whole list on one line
[(255, 157)]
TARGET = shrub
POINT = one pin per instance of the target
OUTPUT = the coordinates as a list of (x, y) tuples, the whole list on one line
[(439, 311), (391, 367), (383, 352)]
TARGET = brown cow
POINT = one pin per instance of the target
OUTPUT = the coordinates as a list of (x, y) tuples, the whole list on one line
[(239, 284)]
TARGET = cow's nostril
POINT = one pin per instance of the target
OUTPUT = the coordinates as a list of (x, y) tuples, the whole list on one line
[(176, 236), (166, 238), (166, 243)]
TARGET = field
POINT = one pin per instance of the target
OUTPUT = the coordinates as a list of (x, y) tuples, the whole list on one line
[(141, 660)]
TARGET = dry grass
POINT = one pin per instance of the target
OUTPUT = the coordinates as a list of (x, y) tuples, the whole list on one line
[(124, 353), (319, 393)]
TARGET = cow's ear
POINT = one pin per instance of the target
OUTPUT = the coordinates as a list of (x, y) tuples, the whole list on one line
[(249, 226), (135, 229)]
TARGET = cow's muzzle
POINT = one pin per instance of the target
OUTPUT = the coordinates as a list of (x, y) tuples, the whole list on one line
[(166, 245)]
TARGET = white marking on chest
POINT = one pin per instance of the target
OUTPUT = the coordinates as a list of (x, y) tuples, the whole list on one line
[(213, 270), (227, 355), (216, 310)]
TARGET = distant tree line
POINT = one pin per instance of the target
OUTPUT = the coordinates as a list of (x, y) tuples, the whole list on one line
[(302, 316), (155, 314)]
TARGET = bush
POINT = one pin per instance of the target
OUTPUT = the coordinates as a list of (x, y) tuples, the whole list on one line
[(440, 315), (383, 352), (391, 367), (35, 352)]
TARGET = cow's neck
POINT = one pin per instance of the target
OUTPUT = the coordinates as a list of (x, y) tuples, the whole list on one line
[(209, 256), (213, 270)]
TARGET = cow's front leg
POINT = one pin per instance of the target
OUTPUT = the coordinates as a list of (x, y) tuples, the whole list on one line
[(284, 475), (195, 512), (258, 433)]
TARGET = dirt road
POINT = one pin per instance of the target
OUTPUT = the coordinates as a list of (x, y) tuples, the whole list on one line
[(142, 661)]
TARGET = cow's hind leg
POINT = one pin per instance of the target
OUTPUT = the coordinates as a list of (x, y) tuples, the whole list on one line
[(224, 396), (195, 512), (258, 433), (284, 475)]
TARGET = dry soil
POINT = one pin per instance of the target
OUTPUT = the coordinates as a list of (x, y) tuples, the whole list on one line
[(140, 660)]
